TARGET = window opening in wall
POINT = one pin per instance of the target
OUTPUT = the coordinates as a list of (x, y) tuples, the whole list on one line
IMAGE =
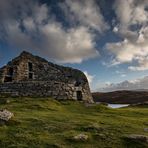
[(30, 75), (79, 95), (30, 67), (8, 77), (10, 71)]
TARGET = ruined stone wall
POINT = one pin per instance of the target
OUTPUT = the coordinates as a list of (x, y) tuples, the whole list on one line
[(42, 70), (2, 72), (52, 89), (48, 79)]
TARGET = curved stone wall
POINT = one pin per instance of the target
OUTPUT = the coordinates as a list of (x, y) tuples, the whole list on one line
[(29, 75), (57, 90)]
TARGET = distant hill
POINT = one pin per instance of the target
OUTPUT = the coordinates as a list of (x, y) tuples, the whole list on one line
[(123, 97)]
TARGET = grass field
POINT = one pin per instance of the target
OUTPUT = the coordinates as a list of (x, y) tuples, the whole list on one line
[(47, 123)]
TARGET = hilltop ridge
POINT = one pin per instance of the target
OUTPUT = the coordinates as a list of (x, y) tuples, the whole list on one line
[(121, 97)]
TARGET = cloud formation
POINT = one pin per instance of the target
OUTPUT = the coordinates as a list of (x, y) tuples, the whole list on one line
[(34, 26), (86, 13), (31, 25), (132, 16), (138, 84)]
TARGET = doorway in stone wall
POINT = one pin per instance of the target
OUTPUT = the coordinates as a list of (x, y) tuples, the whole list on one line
[(79, 95)]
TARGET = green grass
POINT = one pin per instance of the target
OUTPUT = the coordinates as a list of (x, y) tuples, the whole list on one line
[(44, 122)]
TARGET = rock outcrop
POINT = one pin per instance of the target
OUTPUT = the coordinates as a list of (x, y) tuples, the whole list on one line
[(5, 115)]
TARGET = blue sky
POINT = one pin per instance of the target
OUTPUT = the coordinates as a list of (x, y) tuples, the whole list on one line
[(106, 39)]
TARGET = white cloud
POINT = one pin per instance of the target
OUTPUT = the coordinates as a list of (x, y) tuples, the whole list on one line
[(123, 75), (31, 26), (89, 77), (86, 13), (126, 51), (107, 83), (138, 84), (115, 29), (143, 65), (134, 13), (133, 28), (68, 44)]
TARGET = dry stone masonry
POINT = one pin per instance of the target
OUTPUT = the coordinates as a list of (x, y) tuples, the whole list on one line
[(29, 75)]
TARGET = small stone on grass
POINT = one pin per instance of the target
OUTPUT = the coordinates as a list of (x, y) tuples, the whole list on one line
[(81, 137)]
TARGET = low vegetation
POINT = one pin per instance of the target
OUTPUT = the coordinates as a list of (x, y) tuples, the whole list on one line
[(41, 123)]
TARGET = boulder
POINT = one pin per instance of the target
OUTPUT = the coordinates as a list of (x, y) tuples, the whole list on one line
[(81, 137), (5, 115), (146, 129)]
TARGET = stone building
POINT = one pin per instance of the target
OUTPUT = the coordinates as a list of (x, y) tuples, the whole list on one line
[(29, 75)]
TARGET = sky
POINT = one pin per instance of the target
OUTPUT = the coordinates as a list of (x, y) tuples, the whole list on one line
[(106, 39)]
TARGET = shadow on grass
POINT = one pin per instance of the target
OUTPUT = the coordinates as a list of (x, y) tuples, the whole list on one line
[(129, 143)]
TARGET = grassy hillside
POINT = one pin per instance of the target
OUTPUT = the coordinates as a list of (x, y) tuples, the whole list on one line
[(41, 123)]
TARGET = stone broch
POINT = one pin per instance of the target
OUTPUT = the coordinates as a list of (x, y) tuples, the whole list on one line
[(29, 75)]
